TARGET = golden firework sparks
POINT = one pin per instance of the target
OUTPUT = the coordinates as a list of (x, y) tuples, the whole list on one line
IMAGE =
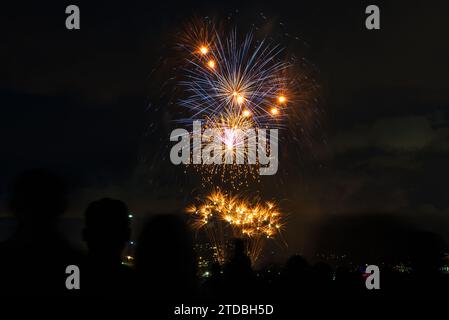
[(274, 111), (204, 50), (282, 99), (252, 220), (211, 64)]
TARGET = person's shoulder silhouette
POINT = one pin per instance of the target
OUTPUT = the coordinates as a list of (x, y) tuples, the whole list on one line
[(37, 255), (295, 278), (238, 274), (107, 230)]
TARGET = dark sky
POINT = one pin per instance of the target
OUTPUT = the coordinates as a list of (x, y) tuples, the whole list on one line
[(81, 102)]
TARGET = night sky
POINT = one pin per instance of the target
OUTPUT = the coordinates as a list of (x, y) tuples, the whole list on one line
[(86, 104)]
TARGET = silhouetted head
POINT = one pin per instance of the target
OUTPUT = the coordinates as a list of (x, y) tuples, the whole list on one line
[(239, 247), (107, 227), (296, 269), (296, 264), (239, 266), (38, 196)]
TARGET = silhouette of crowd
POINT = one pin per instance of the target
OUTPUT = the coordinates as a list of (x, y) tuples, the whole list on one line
[(33, 260)]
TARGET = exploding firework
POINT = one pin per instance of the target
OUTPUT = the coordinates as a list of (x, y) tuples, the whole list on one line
[(231, 128), (233, 86), (232, 82), (259, 78), (223, 216), (245, 78)]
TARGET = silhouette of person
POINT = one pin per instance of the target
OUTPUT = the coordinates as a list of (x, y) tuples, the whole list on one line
[(295, 277), (106, 233), (36, 256), (165, 259), (239, 276)]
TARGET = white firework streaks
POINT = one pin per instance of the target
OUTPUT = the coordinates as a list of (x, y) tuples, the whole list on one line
[(246, 79)]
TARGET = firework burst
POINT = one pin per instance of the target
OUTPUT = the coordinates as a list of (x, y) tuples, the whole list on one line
[(246, 78), (222, 215), (233, 85), (231, 127)]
